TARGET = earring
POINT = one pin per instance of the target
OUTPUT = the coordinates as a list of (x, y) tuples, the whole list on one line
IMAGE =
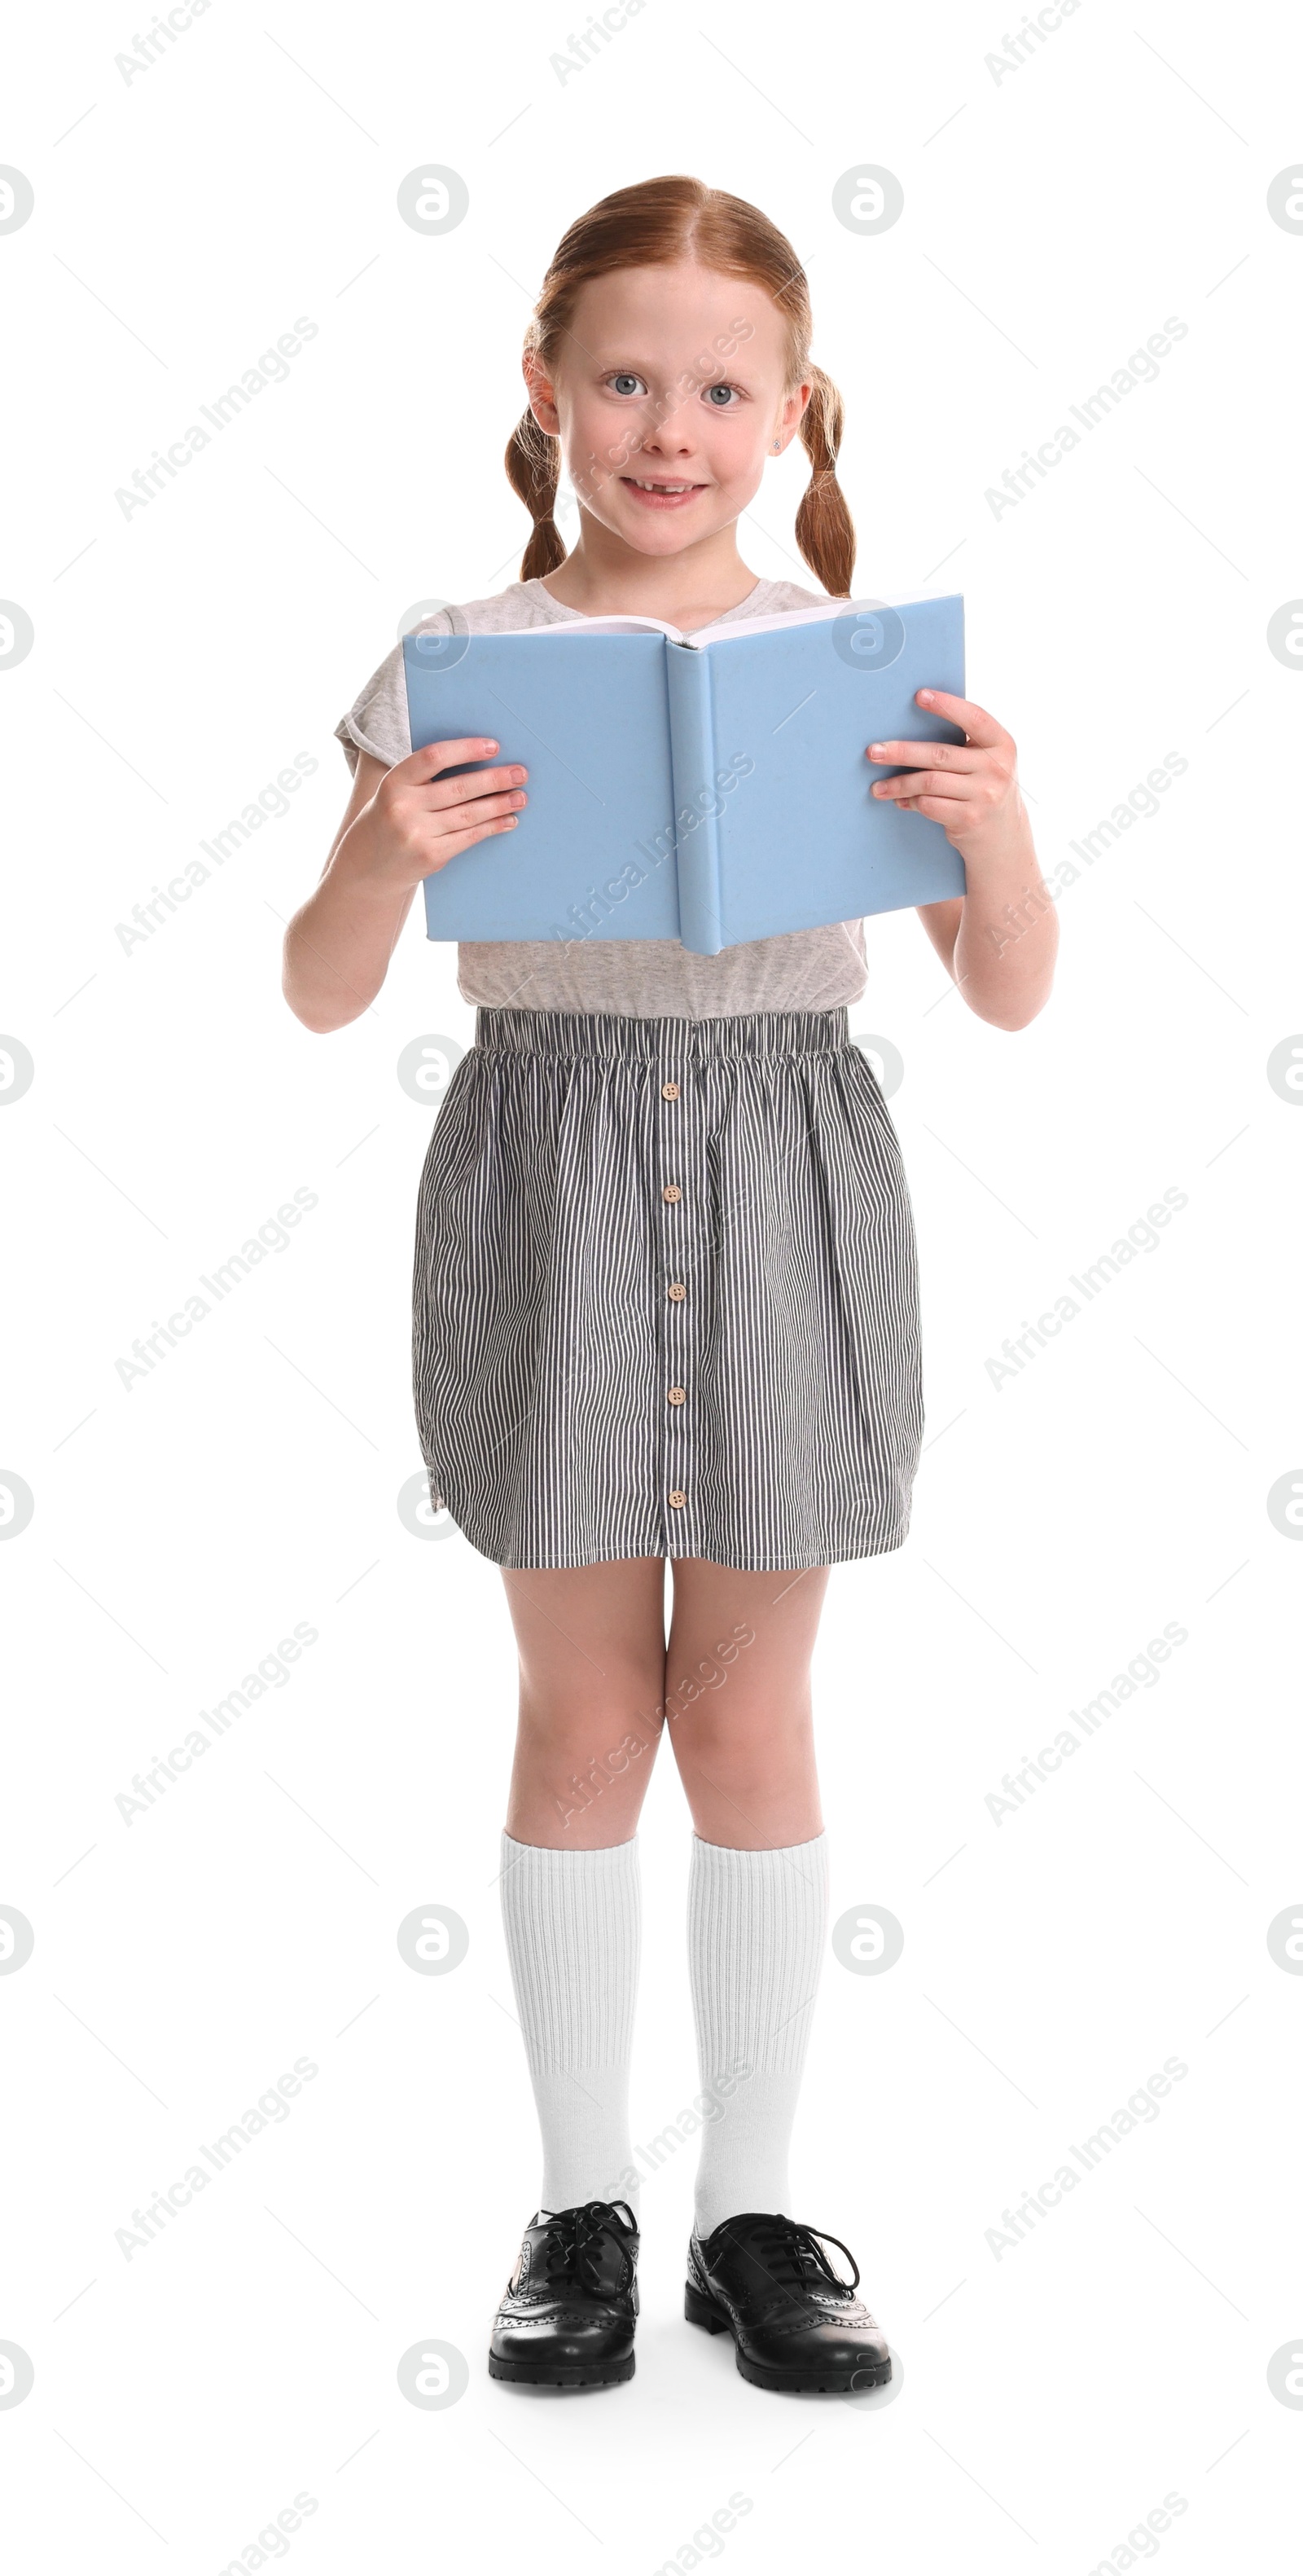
[(774, 450)]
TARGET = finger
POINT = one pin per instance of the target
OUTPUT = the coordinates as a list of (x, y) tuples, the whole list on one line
[(952, 816), (433, 756), (981, 728), (474, 810), (480, 832), (443, 792), (926, 783), (927, 755), (485, 831)]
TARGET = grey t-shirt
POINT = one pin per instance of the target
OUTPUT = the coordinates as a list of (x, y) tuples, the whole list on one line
[(801, 970)]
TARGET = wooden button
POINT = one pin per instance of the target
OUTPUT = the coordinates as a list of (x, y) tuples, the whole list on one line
[(677, 1290), (676, 1395), (677, 1502), (669, 1091), (671, 1191)]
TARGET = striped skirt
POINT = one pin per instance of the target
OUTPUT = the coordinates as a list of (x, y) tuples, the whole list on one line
[(666, 1293)]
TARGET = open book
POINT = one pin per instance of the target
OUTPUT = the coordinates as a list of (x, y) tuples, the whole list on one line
[(709, 788)]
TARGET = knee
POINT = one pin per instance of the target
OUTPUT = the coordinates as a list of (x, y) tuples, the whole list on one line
[(737, 1740), (610, 1739), (599, 1723), (571, 1777)]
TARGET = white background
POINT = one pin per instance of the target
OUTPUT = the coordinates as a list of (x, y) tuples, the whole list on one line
[(1053, 219)]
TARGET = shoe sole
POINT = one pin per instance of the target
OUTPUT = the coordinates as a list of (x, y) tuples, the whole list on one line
[(701, 2311), (561, 2377)]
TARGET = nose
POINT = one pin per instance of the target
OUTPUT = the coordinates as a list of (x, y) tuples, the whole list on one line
[(671, 435)]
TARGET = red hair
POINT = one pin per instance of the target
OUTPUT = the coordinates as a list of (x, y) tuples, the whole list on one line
[(653, 225)]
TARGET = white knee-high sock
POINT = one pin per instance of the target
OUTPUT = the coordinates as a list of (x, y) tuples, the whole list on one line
[(573, 1922), (757, 1923)]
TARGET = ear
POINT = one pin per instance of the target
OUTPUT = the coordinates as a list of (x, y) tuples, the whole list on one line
[(794, 408), (542, 395)]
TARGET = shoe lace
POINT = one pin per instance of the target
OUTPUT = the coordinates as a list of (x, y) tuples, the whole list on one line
[(793, 2254), (573, 2245)]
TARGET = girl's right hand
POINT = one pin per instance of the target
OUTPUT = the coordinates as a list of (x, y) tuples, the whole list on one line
[(417, 821)]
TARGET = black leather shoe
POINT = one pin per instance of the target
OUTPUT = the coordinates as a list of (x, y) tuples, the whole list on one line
[(796, 2324), (569, 2310)]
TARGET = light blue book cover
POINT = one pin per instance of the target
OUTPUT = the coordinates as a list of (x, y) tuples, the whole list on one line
[(710, 788)]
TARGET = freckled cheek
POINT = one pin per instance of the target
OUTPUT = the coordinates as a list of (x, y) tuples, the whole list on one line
[(599, 437), (738, 468)]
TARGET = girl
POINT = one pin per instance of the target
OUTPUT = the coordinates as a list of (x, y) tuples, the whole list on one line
[(666, 1295)]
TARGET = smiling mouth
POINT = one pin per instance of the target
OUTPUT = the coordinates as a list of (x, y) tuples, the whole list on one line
[(665, 490)]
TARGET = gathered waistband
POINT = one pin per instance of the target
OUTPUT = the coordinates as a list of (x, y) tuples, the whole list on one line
[(500, 1031)]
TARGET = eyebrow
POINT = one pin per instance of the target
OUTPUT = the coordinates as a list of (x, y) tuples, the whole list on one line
[(626, 365)]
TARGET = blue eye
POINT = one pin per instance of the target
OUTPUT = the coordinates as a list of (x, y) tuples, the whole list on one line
[(626, 383), (727, 391)]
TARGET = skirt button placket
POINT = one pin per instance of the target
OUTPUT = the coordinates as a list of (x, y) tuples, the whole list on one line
[(675, 1211)]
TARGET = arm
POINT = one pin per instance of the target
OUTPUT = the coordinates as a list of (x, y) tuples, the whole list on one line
[(1000, 939), (400, 826)]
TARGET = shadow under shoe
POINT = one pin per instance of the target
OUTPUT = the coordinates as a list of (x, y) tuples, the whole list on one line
[(569, 2311), (796, 2324)]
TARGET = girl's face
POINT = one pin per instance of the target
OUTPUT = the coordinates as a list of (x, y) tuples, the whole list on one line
[(667, 401)]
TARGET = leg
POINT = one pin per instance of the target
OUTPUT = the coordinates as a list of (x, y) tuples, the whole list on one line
[(758, 1889), (592, 1665), (591, 1641), (744, 1743)]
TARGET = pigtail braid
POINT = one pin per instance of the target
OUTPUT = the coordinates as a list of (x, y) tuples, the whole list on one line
[(825, 530), (533, 464)]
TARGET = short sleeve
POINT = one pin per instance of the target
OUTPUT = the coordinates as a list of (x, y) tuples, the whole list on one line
[(377, 722)]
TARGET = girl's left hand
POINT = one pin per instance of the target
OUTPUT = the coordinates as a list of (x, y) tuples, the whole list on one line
[(970, 788)]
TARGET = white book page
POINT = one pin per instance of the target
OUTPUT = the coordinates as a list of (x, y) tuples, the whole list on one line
[(725, 627), (601, 626)]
